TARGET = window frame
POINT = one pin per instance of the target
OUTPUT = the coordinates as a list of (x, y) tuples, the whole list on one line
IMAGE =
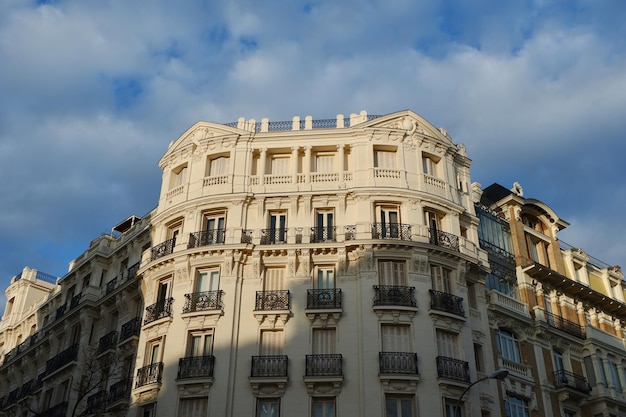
[(395, 276), (324, 401), (399, 400), (508, 345), (273, 411)]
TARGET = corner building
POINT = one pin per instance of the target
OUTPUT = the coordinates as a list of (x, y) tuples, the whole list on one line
[(314, 267)]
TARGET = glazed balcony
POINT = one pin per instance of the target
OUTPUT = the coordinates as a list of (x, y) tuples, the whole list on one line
[(400, 363), (443, 239), (162, 249), (323, 234), (570, 380), (206, 237), (196, 367), (269, 366), (449, 303), (62, 359), (273, 236), (451, 368), (391, 231), (203, 301), (324, 365), (272, 300), (150, 374), (158, 311), (107, 342), (323, 299), (130, 328), (565, 325), (393, 295)]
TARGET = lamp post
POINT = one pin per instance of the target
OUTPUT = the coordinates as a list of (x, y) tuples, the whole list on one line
[(499, 374)]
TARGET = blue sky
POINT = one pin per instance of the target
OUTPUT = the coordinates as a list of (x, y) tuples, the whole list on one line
[(92, 92)]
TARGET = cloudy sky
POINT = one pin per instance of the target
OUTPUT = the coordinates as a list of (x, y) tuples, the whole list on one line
[(92, 92)]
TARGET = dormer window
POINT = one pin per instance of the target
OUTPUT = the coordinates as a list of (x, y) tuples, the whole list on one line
[(179, 176)]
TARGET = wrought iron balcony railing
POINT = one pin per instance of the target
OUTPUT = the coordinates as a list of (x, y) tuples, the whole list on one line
[(273, 236), (449, 303), (57, 362), (566, 379), (452, 368), (269, 366), (393, 295), (75, 301), (96, 403), (59, 410), (60, 311), (107, 342), (398, 363), (272, 300), (158, 310), (391, 231), (150, 374), (132, 270), (130, 328), (323, 234), (119, 391), (163, 249), (443, 239), (565, 325), (323, 298), (111, 285), (349, 232), (203, 301), (196, 367), (246, 236), (206, 237), (324, 365)]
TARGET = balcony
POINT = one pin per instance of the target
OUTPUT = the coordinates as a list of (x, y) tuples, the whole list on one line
[(60, 311), (324, 365), (130, 328), (163, 249), (206, 237), (443, 239), (273, 236), (203, 301), (272, 300), (111, 286), (569, 380), (451, 368), (323, 234), (158, 310), (150, 374), (75, 301), (449, 303), (119, 393), (59, 361), (391, 231), (107, 342), (398, 363), (349, 232), (269, 366), (96, 403), (196, 367), (565, 325), (59, 410), (246, 236), (323, 299), (393, 295)]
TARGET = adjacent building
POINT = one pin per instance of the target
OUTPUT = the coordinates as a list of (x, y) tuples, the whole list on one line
[(323, 268)]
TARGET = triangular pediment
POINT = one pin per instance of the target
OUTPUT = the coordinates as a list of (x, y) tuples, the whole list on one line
[(411, 122)]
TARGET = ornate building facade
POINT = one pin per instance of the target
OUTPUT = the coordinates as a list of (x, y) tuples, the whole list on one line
[(324, 268)]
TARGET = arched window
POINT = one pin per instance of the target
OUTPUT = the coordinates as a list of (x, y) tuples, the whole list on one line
[(508, 346)]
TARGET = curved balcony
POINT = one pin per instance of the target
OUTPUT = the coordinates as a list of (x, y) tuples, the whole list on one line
[(323, 234), (206, 237), (443, 239), (391, 231), (150, 374), (203, 301), (451, 368), (393, 295), (158, 310), (162, 249), (570, 380), (448, 303)]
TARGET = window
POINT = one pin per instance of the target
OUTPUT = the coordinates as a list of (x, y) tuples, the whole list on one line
[(447, 344), (208, 280), (179, 176), (325, 279), (395, 337), (279, 164), (508, 346), (452, 409), (214, 224), (557, 358), (173, 230), (388, 225), (217, 165), (392, 273), (385, 159), (200, 343), (429, 164), (274, 279), (479, 358), (323, 407), (163, 293), (153, 354), (433, 220), (399, 406), (147, 410), (277, 228), (615, 375), (516, 407), (323, 341), (440, 278), (324, 226), (268, 407), (193, 407), (271, 342), (324, 162)]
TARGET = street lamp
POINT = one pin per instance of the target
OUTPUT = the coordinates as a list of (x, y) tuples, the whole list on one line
[(499, 374)]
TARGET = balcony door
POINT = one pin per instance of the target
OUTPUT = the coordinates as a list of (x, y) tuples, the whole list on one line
[(201, 344), (271, 343), (389, 219), (215, 229), (277, 227), (325, 279), (208, 281), (395, 338), (324, 225), (323, 341), (392, 273)]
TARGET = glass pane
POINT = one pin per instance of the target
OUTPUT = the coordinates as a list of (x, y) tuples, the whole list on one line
[(391, 409), (407, 409)]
